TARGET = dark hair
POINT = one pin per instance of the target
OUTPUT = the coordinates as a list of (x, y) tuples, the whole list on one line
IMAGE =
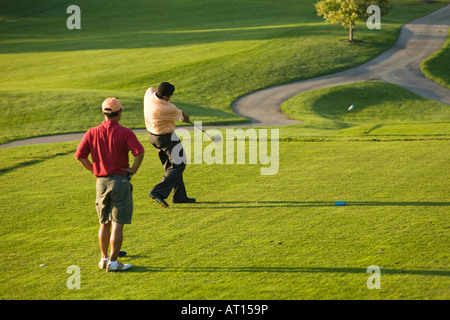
[(165, 89), (111, 114)]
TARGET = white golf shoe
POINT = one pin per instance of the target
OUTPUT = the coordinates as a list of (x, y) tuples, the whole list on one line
[(103, 263), (118, 267)]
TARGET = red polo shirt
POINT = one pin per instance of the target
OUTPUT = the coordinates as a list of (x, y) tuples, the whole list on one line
[(109, 144)]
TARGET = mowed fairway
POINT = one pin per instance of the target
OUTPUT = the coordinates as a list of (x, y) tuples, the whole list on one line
[(213, 51), (249, 236)]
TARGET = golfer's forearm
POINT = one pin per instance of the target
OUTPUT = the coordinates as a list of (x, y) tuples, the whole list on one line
[(185, 117), (87, 164), (137, 162)]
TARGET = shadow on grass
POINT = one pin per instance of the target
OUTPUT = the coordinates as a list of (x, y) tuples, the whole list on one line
[(274, 204), (102, 37), (33, 162), (285, 270)]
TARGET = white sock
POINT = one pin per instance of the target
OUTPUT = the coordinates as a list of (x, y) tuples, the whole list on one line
[(105, 259), (113, 263)]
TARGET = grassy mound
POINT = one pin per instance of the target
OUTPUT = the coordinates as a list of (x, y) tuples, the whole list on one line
[(437, 66), (379, 109)]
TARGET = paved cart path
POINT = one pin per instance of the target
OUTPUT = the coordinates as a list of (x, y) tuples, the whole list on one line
[(399, 65)]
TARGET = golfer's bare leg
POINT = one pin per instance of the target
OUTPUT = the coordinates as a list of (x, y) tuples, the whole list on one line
[(116, 240), (104, 235)]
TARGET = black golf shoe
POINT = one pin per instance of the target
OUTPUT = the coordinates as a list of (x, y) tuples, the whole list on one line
[(159, 200)]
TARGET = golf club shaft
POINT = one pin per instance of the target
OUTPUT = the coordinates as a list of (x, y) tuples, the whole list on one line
[(202, 130)]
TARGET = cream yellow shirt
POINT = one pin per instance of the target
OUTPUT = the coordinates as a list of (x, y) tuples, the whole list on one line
[(159, 114)]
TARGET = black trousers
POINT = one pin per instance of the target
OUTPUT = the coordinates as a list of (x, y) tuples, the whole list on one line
[(173, 170)]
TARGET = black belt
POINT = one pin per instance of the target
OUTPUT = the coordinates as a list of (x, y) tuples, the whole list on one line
[(159, 135), (124, 174)]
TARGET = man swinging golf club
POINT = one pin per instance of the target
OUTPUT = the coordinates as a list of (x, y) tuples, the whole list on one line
[(160, 116)]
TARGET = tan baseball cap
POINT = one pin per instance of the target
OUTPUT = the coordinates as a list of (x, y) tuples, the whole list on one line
[(111, 105)]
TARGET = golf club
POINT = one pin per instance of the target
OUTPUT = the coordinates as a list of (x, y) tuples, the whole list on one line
[(212, 138)]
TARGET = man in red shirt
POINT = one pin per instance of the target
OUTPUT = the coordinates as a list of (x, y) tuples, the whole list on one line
[(109, 145)]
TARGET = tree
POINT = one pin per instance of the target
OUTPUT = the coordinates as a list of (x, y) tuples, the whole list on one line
[(348, 12)]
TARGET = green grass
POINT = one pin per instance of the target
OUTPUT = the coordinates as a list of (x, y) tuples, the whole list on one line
[(249, 237), (380, 109), (213, 51), (437, 66)]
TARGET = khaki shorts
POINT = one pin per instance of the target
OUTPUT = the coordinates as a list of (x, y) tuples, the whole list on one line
[(114, 199)]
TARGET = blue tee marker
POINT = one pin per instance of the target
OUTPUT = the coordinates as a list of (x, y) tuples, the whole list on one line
[(340, 203)]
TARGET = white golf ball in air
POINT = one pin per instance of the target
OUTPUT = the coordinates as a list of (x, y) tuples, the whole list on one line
[(351, 107)]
